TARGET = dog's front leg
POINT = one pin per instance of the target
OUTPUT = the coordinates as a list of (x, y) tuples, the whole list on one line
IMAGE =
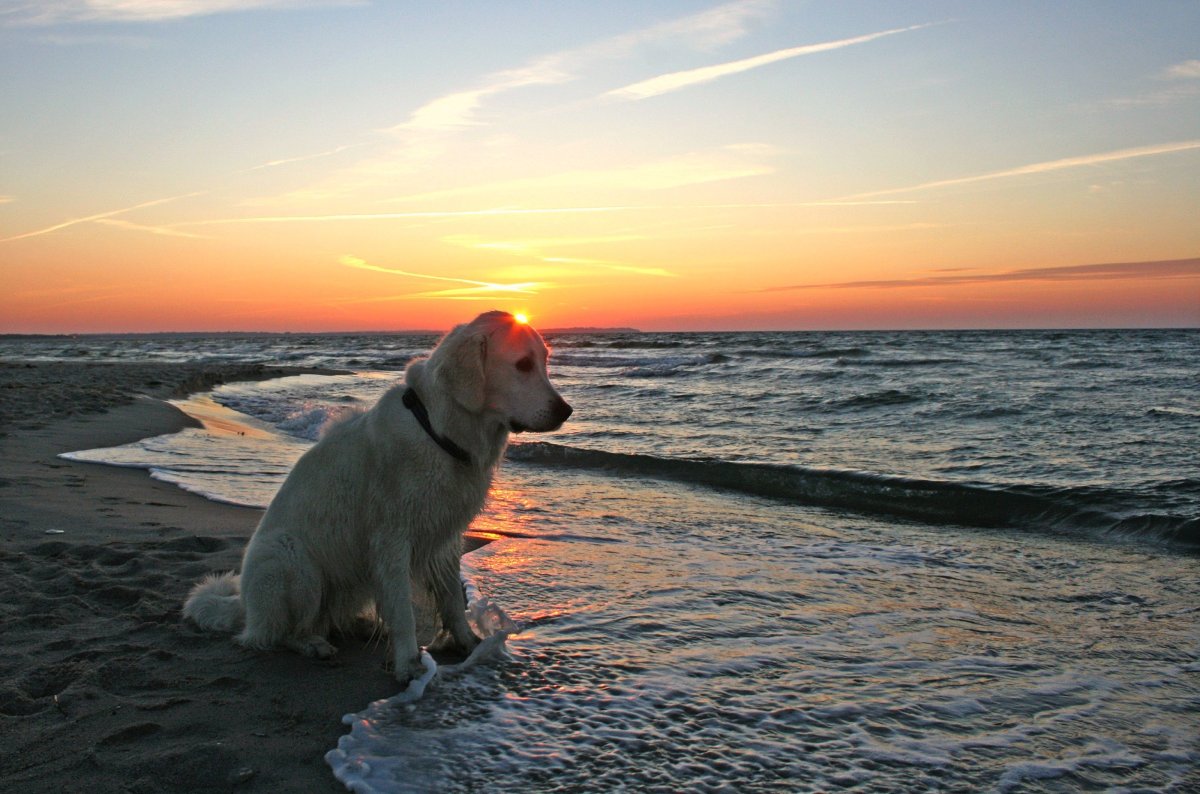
[(456, 638), (393, 598)]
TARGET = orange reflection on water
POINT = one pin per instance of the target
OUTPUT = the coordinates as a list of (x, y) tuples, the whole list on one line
[(506, 514)]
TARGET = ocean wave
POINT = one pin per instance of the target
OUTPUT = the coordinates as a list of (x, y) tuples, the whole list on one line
[(992, 412), (880, 399), (311, 421), (646, 344), (637, 364), (1172, 410), (672, 366), (896, 363), (930, 501), (803, 353)]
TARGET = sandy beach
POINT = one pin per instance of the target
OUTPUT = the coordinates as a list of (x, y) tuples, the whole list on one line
[(102, 685)]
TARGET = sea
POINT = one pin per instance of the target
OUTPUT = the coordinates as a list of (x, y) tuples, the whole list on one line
[(781, 562)]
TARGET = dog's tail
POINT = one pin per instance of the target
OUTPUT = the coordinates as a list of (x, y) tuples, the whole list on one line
[(215, 603)]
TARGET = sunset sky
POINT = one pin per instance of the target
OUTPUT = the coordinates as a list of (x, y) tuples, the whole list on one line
[(303, 165)]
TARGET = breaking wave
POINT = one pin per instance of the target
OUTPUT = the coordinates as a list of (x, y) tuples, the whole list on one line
[(1028, 507)]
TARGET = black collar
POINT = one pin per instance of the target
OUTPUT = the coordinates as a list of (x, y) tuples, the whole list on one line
[(413, 403)]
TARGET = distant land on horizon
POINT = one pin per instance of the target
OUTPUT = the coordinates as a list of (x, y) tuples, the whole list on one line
[(578, 330)]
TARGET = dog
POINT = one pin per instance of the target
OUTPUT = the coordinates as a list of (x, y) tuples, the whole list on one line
[(379, 505)]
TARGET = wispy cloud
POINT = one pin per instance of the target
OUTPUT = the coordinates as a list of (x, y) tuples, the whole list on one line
[(423, 136), (457, 110), (304, 157), (734, 161), (53, 12), (1161, 269), (505, 211), (674, 81), (917, 226), (706, 29), (538, 249), (1177, 83), (416, 215), (99, 216), (102, 39), (535, 245), (1160, 97), (475, 288), (637, 270), (1040, 168), (165, 231), (1188, 70)]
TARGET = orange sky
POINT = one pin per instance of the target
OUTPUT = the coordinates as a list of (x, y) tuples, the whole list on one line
[(664, 166)]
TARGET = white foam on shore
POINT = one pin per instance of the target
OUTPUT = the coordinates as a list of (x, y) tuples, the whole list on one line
[(366, 755), (233, 458)]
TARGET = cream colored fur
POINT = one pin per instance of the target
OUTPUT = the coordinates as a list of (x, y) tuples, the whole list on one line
[(377, 508)]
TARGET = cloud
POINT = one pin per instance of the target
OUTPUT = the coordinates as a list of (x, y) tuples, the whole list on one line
[(674, 81), (304, 157), (1113, 271), (734, 161), (1162, 97), (53, 12), (502, 212), (105, 39), (535, 246), (537, 249), (637, 270), (709, 28), (138, 227), (917, 226), (1040, 168), (481, 288), (457, 110), (1180, 85), (421, 138), (99, 216), (384, 216), (1188, 70)]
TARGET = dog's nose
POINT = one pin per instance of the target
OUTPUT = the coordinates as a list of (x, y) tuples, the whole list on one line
[(562, 410)]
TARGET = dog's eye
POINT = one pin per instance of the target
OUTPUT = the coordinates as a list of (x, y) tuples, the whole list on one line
[(525, 364)]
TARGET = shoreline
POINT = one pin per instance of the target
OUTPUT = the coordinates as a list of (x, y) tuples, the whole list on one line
[(100, 679)]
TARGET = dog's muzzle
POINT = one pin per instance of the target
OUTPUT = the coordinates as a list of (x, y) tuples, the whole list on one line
[(560, 411)]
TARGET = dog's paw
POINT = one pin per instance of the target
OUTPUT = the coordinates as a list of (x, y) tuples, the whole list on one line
[(410, 671), (314, 647), (445, 648)]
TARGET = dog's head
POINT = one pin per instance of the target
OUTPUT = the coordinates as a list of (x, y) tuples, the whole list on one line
[(496, 365)]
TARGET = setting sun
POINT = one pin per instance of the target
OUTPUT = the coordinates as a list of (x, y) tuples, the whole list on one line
[(521, 317)]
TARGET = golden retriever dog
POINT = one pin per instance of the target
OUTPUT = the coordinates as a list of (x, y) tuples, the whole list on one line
[(379, 505)]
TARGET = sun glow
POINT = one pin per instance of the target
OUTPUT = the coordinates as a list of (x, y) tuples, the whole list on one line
[(650, 172)]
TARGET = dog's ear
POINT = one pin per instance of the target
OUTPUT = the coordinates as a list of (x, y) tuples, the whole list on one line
[(462, 371)]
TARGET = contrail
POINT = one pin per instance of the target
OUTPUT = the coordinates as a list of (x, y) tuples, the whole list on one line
[(99, 216)]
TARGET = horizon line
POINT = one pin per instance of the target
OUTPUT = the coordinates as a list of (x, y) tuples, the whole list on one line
[(609, 329)]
